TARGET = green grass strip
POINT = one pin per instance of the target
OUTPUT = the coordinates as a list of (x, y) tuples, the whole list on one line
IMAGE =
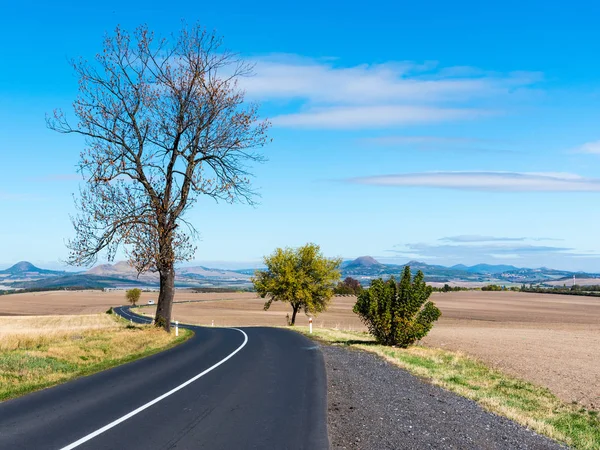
[(14, 361)]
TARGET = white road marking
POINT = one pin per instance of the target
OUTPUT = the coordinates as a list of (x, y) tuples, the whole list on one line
[(156, 400)]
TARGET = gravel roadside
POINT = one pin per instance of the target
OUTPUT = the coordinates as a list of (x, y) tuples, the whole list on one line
[(373, 405)]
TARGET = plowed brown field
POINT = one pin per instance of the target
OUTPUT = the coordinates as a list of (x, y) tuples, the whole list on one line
[(552, 340)]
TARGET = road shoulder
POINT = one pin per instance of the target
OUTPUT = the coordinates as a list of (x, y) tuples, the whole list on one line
[(375, 405)]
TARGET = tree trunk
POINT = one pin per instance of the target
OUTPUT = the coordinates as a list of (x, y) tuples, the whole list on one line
[(295, 308), (165, 297)]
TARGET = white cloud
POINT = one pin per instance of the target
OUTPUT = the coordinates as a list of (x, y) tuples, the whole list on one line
[(372, 116), (342, 97), (322, 82), (477, 238), (468, 238), (488, 181), (589, 147)]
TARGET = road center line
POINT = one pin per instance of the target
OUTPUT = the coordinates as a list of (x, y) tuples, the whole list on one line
[(156, 400)]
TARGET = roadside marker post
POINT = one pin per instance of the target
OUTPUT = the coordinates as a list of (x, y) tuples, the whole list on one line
[(310, 325), (213, 323), (177, 328)]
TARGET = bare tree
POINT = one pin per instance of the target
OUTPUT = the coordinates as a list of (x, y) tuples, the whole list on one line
[(164, 122)]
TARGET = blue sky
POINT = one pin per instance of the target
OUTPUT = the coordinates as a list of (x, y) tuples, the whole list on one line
[(444, 132)]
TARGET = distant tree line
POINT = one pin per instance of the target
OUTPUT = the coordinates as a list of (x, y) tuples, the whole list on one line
[(590, 291), (448, 288)]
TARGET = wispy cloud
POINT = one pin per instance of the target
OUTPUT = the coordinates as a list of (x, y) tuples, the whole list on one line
[(589, 147), (290, 77), (478, 249), (523, 253), (340, 97), (464, 238), (341, 117), (470, 238), (487, 181), (474, 249)]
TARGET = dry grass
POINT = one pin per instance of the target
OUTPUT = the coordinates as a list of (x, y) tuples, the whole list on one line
[(37, 352), (26, 332), (532, 406)]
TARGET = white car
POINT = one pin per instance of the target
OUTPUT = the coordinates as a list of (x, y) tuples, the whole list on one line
[(151, 302)]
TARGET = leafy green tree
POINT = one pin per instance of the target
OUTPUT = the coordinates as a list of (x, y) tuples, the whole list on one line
[(133, 295), (302, 277), (398, 313)]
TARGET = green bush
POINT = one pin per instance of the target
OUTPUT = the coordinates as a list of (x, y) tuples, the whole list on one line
[(398, 313), (109, 311)]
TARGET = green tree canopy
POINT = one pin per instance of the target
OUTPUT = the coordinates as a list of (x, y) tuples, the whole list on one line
[(133, 295), (398, 313), (302, 277)]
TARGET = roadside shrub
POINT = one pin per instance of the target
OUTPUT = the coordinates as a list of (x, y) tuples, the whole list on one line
[(133, 295), (398, 313), (109, 311)]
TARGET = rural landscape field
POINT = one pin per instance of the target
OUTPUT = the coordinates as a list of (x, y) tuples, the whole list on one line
[(551, 340), (331, 226)]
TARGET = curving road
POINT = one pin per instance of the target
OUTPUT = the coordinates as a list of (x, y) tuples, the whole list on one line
[(225, 388)]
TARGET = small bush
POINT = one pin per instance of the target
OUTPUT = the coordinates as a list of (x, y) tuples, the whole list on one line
[(109, 311), (398, 313)]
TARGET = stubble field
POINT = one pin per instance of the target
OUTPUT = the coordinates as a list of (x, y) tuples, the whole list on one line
[(551, 340)]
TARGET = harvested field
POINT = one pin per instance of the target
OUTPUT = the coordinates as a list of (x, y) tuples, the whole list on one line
[(85, 302), (551, 340)]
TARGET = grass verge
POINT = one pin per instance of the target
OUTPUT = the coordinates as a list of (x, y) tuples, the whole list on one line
[(532, 406), (38, 352)]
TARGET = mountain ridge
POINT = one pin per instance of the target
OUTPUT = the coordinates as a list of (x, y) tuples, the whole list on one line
[(365, 268)]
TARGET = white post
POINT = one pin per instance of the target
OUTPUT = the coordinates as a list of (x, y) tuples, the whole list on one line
[(213, 323), (177, 328), (310, 325), (130, 321)]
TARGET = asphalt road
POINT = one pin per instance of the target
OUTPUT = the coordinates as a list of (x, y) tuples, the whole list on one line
[(225, 388)]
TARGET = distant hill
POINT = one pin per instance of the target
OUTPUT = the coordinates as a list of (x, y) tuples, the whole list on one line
[(122, 268), (362, 262), (79, 281), (365, 268), (24, 271)]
